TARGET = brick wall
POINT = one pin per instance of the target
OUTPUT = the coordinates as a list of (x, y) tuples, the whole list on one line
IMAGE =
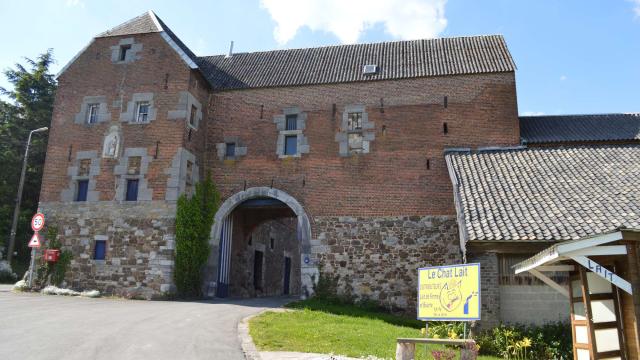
[(489, 288), (393, 178), (158, 71)]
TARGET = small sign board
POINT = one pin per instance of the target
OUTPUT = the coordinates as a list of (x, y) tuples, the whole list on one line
[(35, 241), (37, 222), (449, 293)]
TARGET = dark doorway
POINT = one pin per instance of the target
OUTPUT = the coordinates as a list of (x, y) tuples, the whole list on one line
[(287, 274), (257, 270)]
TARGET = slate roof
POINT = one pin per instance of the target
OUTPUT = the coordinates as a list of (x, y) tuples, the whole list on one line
[(576, 128), (546, 194), (344, 63)]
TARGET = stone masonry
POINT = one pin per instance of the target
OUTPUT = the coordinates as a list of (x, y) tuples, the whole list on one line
[(140, 244)]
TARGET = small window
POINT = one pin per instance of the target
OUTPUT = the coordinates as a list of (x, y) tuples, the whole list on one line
[(291, 145), (142, 115), (99, 250), (92, 113), (134, 165), (85, 167), (355, 142), (354, 121), (132, 190), (272, 243), (123, 52), (292, 122), (230, 150), (83, 187), (192, 117)]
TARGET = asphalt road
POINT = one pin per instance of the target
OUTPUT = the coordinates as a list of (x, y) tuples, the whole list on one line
[(34, 326)]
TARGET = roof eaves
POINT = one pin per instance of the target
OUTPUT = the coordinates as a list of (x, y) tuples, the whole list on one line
[(183, 55)]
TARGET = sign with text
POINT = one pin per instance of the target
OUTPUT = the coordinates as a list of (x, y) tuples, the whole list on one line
[(449, 293)]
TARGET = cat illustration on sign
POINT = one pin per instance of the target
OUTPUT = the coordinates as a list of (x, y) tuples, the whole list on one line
[(451, 296)]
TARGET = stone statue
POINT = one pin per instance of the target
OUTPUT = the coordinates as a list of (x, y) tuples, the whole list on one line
[(111, 144)]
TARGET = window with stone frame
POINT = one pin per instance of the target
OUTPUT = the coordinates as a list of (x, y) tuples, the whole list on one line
[(354, 131), (133, 165), (92, 113), (188, 188), (291, 145), (124, 49), (291, 122), (193, 117), (142, 112), (230, 150)]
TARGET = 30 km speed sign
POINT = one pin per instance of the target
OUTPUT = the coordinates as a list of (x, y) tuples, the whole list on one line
[(37, 222)]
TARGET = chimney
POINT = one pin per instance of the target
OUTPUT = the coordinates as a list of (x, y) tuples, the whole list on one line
[(230, 49)]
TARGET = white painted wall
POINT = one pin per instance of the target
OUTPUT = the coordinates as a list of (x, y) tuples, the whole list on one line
[(532, 304)]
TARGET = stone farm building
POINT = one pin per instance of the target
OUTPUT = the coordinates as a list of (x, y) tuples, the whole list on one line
[(363, 161)]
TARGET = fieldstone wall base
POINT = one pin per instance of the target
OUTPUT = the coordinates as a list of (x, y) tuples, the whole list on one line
[(140, 244), (378, 258)]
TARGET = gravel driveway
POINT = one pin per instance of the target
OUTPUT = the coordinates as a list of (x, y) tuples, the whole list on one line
[(34, 326)]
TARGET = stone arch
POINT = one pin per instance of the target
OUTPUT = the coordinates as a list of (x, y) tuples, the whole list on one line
[(309, 271)]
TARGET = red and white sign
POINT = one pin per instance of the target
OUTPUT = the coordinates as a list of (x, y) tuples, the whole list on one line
[(37, 222), (35, 241)]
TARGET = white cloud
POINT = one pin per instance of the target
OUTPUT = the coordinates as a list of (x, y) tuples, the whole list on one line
[(72, 3), (348, 19), (532, 113), (563, 77), (636, 7)]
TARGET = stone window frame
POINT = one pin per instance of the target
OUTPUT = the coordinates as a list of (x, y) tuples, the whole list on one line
[(367, 131), (69, 194), (122, 175), (186, 101), (103, 114), (240, 151), (133, 53), (302, 144), (177, 179), (130, 116)]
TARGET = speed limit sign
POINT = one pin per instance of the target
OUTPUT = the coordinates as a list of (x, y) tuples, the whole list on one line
[(37, 222)]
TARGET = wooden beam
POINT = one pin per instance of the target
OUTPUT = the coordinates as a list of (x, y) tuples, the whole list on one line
[(603, 273), (599, 251), (549, 268), (561, 289)]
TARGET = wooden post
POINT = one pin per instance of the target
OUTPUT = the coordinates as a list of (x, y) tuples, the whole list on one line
[(405, 351)]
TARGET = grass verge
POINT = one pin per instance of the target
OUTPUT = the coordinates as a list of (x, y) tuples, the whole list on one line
[(320, 326)]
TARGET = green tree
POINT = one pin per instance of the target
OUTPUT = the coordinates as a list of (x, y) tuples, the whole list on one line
[(194, 219), (30, 106)]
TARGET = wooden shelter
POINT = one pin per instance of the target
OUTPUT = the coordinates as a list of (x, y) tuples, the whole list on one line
[(604, 291)]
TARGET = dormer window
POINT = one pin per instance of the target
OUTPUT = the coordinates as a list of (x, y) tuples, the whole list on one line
[(142, 112), (92, 113), (123, 52)]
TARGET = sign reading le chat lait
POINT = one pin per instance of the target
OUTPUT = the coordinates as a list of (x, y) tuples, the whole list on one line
[(449, 293)]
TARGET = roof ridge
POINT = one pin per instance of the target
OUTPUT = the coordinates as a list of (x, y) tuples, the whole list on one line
[(365, 43), (138, 18), (580, 115)]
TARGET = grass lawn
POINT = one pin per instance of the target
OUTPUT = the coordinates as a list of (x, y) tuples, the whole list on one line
[(318, 326)]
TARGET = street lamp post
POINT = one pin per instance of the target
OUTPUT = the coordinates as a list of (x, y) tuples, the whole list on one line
[(16, 212)]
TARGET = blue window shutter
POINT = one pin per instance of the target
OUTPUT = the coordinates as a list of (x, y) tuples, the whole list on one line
[(100, 250), (83, 187), (132, 190)]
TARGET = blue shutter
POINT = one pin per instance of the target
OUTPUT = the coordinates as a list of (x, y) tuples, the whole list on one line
[(99, 250), (132, 190), (291, 145), (83, 187)]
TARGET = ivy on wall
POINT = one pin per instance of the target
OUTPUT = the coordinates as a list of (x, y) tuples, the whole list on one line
[(194, 219)]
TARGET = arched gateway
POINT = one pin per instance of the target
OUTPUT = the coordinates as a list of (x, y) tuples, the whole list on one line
[(220, 266)]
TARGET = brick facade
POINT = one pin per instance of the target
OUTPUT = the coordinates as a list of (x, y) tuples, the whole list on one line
[(375, 216)]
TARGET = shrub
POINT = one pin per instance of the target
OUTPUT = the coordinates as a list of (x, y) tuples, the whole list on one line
[(194, 219), (550, 341)]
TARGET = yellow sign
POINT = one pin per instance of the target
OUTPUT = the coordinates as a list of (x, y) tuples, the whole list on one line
[(449, 293)]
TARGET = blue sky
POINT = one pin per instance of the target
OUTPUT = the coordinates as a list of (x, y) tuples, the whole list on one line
[(573, 56)]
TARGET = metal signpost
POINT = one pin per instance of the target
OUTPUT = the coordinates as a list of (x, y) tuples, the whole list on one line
[(37, 223), (449, 293)]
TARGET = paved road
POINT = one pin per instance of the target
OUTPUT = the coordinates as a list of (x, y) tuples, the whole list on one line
[(34, 326)]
